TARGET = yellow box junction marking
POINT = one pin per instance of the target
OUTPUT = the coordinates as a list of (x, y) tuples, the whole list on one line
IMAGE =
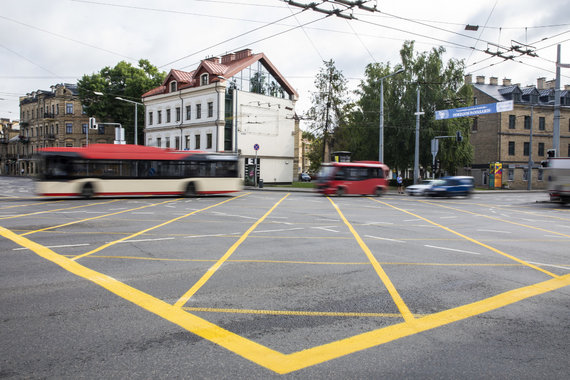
[(225, 257), (59, 209), (470, 239), (271, 359), (406, 313), (153, 228)]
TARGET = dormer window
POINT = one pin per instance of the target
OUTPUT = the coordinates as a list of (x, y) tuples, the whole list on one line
[(204, 79), (173, 86)]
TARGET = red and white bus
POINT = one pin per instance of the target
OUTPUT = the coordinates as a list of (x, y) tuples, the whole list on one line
[(122, 170), (361, 177)]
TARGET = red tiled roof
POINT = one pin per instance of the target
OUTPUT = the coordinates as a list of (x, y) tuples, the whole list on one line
[(213, 67)]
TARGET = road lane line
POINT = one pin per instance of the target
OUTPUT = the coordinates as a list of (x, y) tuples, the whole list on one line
[(494, 231), (381, 238), (153, 228), (296, 312), (280, 230), (451, 249), (59, 209), (402, 307), (56, 246), (551, 265), (471, 239), (96, 217), (225, 257)]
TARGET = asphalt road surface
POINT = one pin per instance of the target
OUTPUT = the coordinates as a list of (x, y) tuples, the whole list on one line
[(272, 284)]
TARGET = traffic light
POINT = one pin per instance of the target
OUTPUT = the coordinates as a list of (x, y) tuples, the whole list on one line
[(458, 137), (551, 153), (92, 123)]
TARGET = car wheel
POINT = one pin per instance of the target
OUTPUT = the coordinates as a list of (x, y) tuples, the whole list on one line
[(190, 190), (379, 192), (340, 192)]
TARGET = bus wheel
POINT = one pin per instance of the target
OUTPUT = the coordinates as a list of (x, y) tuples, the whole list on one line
[(339, 191), (190, 190), (87, 191), (379, 192)]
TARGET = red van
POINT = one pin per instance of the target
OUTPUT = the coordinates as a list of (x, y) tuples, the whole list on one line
[(361, 177)]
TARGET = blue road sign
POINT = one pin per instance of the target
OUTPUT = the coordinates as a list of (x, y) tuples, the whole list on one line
[(480, 109), (256, 147)]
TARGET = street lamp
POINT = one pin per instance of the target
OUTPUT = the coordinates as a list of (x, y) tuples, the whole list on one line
[(136, 104), (381, 138)]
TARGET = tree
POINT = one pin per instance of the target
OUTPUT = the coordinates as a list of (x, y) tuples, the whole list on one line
[(440, 88), (326, 111), (125, 81)]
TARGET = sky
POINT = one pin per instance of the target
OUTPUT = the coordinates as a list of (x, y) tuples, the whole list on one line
[(58, 41)]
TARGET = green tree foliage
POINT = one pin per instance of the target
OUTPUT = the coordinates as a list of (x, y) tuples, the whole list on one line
[(125, 81), (440, 88), (327, 109)]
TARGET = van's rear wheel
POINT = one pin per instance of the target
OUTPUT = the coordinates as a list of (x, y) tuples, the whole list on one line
[(340, 191), (190, 190), (87, 191), (379, 192)]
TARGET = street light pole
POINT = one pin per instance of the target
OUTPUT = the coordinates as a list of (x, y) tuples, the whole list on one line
[(136, 113), (381, 137)]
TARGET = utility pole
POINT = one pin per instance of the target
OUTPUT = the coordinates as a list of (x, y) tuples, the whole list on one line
[(417, 146), (326, 131), (556, 124)]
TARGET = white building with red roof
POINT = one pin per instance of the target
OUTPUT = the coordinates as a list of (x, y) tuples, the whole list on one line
[(234, 104)]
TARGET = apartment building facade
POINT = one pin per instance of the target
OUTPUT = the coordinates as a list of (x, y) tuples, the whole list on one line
[(516, 137), (238, 103)]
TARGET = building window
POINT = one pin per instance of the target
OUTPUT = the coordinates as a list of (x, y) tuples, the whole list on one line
[(512, 121), (511, 148), (187, 142), (568, 153), (541, 124), (150, 118), (527, 122), (177, 113), (475, 125), (84, 128), (168, 116), (69, 108), (210, 109), (203, 79), (540, 149), (177, 143), (173, 86), (198, 111), (159, 142), (68, 128), (526, 148), (57, 109), (167, 142), (511, 174), (540, 176), (188, 112), (525, 174), (101, 129), (209, 141), (196, 141), (159, 117)]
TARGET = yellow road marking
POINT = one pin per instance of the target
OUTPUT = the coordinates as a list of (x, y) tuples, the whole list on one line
[(499, 219), (59, 209), (224, 258), (271, 359), (98, 217), (295, 312), (153, 228), (24, 205), (472, 240), (406, 313)]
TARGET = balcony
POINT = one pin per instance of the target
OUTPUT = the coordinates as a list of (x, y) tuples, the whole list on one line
[(49, 115), (24, 139), (50, 136)]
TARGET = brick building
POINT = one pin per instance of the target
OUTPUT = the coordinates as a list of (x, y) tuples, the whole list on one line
[(506, 137), (53, 119)]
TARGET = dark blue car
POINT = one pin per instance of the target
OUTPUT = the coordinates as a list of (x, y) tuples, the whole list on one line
[(451, 187)]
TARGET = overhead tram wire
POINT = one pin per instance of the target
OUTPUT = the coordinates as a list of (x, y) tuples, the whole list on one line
[(229, 39), (307, 35), (482, 29)]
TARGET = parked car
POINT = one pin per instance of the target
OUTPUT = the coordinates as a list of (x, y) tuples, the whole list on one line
[(420, 188), (305, 177), (451, 186)]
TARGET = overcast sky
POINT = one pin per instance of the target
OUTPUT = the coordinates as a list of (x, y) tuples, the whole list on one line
[(47, 42)]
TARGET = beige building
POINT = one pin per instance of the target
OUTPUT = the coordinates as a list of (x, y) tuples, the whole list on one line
[(9, 131), (506, 137), (53, 119)]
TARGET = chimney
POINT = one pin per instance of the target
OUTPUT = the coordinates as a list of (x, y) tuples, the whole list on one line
[(551, 84), (468, 79), (540, 83), (480, 79), (213, 59), (493, 81), (228, 58), (506, 82), (243, 54)]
